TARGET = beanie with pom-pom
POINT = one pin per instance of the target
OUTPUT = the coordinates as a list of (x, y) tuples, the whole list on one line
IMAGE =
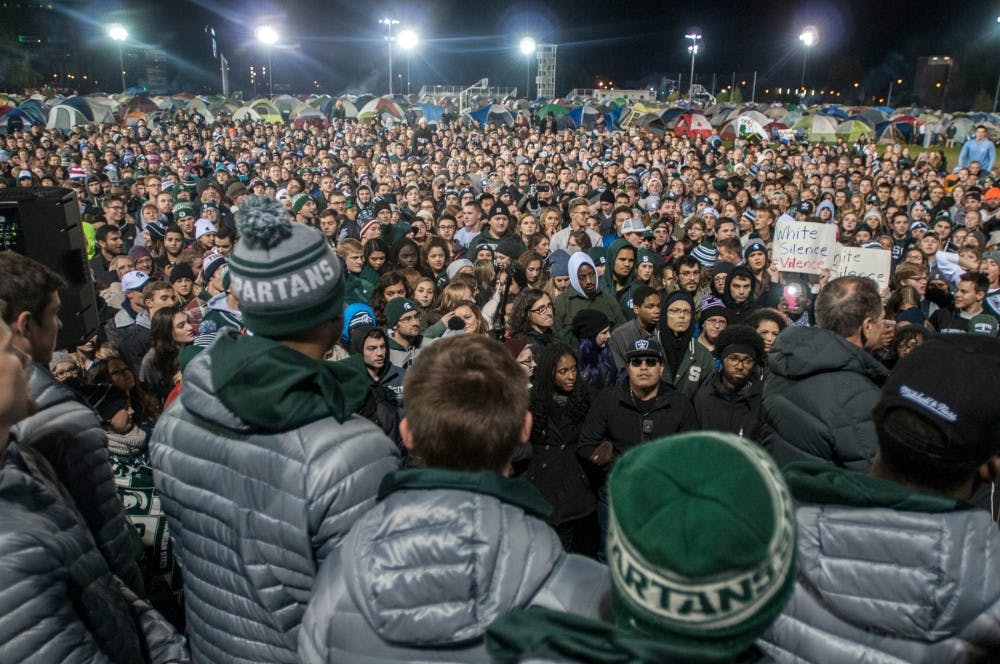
[(283, 274)]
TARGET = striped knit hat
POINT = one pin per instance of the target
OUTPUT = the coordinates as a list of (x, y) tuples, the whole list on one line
[(701, 541), (705, 254), (284, 275)]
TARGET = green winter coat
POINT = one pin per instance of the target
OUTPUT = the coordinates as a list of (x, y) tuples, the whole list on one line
[(570, 302), (696, 367)]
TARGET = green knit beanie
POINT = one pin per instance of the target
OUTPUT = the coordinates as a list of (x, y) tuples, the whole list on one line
[(299, 201), (284, 275), (701, 541)]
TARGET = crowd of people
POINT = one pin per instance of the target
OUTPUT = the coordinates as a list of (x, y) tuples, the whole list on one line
[(373, 393)]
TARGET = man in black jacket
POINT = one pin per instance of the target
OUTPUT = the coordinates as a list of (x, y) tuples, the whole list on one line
[(640, 410), (730, 399)]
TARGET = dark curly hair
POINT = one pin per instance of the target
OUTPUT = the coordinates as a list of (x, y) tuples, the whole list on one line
[(743, 335), (544, 388)]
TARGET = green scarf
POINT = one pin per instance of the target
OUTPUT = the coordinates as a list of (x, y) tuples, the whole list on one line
[(274, 388), (518, 492), (541, 633), (823, 484)]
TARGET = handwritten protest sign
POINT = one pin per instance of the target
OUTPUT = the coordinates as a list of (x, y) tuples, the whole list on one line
[(876, 264), (801, 246)]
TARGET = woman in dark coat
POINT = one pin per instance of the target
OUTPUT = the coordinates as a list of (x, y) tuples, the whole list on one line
[(559, 403)]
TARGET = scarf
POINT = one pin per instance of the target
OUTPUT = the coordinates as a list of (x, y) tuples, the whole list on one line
[(127, 444)]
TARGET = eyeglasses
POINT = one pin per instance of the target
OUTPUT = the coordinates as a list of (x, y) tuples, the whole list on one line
[(744, 360), (683, 313), (715, 323), (542, 308), (644, 362), (530, 362)]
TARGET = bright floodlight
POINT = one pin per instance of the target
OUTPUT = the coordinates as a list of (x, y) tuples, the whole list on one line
[(407, 39), (692, 35), (809, 36), (528, 45), (265, 34), (117, 32)]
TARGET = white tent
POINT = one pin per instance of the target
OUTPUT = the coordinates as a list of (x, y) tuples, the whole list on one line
[(63, 117), (246, 113)]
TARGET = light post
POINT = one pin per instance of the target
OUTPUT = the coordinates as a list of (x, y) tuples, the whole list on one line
[(528, 46), (694, 36), (996, 94), (888, 98), (118, 33), (408, 40), (809, 37), (268, 36), (388, 23)]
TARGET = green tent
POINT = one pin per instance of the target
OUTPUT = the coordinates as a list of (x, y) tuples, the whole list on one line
[(852, 130)]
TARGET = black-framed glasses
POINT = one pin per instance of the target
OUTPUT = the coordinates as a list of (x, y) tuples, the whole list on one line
[(542, 308), (744, 360), (644, 362)]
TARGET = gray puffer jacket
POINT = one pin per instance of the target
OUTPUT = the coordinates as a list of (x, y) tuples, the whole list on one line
[(253, 515), (59, 602), (70, 436), (424, 574), (887, 575)]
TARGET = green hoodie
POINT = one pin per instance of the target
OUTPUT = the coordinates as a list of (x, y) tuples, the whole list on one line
[(824, 484), (275, 389), (608, 284)]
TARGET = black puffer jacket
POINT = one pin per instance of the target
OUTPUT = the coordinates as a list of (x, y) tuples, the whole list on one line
[(818, 399), (59, 602), (70, 437)]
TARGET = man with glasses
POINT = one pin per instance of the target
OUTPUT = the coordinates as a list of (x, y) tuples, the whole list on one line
[(579, 208), (403, 325), (730, 399)]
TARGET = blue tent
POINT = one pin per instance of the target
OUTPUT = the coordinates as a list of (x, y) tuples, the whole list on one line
[(17, 119), (584, 116), (834, 111), (884, 109), (492, 114), (82, 105), (432, 112)]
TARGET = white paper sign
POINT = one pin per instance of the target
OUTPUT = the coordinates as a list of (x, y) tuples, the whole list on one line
[(803, 246), (876, 264)]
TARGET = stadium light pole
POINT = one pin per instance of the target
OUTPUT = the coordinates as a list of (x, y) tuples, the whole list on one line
[(888, 97), (695, 37), (809, 37), (388, 23), (118, 33), (528, 46), (268, 36), (408, 40)]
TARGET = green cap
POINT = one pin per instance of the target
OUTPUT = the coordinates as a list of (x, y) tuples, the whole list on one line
[(701, 541), (183, 210), (984, 324), (299, 201)]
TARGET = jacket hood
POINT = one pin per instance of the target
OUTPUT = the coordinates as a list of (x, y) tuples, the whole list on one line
[(576, 261), (727, 299), (608, 280), (866, 544), (437, 567), (244, 382), (800, 352)]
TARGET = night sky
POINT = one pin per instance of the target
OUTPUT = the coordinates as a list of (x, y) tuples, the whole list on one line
[(340, 45)]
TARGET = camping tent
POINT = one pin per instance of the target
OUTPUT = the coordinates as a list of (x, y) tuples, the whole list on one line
[(246, 113), (817, 127), (743, 127), (852, 130), (693, 125), (382, 107), (267, 111), (64, 116), (492, 114), (584, 116)]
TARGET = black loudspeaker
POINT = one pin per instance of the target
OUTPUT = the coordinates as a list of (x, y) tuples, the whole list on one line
[(43, 223)]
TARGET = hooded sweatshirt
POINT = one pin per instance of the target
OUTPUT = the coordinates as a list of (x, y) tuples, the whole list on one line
[(742, 309), (621, 291)]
